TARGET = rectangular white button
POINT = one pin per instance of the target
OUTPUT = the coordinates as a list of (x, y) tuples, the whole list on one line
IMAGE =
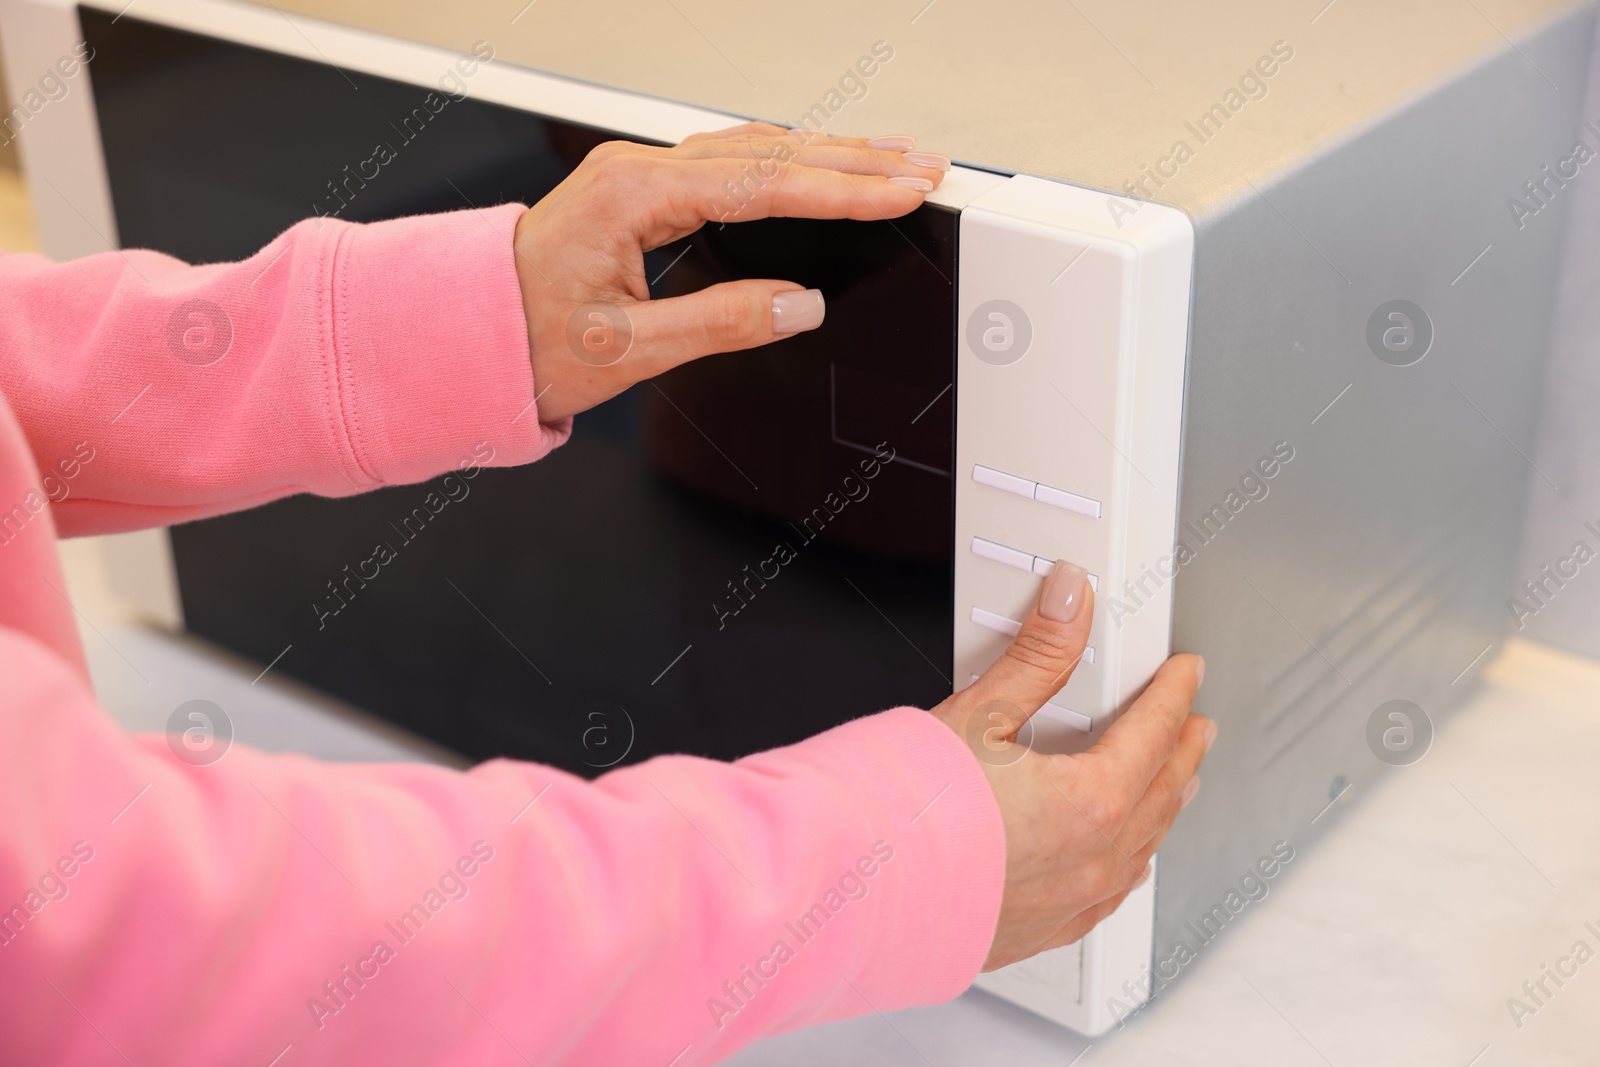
[(1042, 567), (1060, 498), (1001, 480), (1011, 557), (1009, 627), (1060, 713), (1067, 717)]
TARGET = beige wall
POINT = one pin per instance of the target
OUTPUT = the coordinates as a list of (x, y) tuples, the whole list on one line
[(8, 152)]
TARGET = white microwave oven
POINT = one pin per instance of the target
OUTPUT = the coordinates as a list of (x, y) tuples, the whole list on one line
[(1279, 411)]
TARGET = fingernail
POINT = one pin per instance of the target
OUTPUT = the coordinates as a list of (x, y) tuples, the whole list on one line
[(929, 159), (1210, 734), (898, 142), (796, 310), (1199, 671), (921, 185), (1063, 592), (1188, 792)]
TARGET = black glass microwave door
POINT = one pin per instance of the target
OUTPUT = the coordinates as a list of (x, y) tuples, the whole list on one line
[(718, 562)]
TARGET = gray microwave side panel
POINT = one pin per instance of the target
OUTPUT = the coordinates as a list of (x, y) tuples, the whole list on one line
[(1375, 564)]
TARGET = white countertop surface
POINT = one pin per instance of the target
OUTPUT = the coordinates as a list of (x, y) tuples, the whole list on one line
[(1397, 939)]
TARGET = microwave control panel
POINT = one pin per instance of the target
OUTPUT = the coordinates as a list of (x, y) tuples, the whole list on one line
[(1072, 335)]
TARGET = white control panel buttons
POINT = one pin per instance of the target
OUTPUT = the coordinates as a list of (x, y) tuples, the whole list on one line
[(1023, 561), (1060, 713), (1011, 557), (998, 623), (1001, 480), (1067, 717), (1060, 498), (1011, 627), (1044, 567), (1045, 494)]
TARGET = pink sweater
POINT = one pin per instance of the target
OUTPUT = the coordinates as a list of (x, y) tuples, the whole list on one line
[(272, 906)]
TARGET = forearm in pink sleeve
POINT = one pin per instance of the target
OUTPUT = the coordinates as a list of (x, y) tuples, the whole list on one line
[(339, 358), (667, 913)]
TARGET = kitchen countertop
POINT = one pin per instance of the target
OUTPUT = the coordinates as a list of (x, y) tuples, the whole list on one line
[(1396, 940)]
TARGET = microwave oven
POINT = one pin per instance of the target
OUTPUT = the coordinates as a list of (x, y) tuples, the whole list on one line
[(1281, 416)]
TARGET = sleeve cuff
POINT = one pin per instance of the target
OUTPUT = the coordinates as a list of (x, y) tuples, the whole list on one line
[(430, 341)]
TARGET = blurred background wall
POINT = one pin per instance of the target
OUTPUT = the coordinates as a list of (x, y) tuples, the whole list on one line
[(8, 152), (17, 232)]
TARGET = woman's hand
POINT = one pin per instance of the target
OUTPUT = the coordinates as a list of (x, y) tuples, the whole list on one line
[(1080, 829), (592, 327)]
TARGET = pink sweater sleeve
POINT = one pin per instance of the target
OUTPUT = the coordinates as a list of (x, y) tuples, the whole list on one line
[(273, 909), (337, 359)]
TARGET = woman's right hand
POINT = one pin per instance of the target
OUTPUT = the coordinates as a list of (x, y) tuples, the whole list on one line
[(593, 329), (1080, 829)]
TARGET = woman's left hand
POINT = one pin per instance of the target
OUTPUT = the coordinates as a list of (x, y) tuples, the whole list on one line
[(592, 327)]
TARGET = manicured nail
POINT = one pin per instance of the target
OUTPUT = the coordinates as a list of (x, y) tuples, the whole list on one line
[(1188, 792), (1199, 671), (928, 159), (1063, 592), (796, 310), (895, 143), (1210, 734), (921, 185)]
